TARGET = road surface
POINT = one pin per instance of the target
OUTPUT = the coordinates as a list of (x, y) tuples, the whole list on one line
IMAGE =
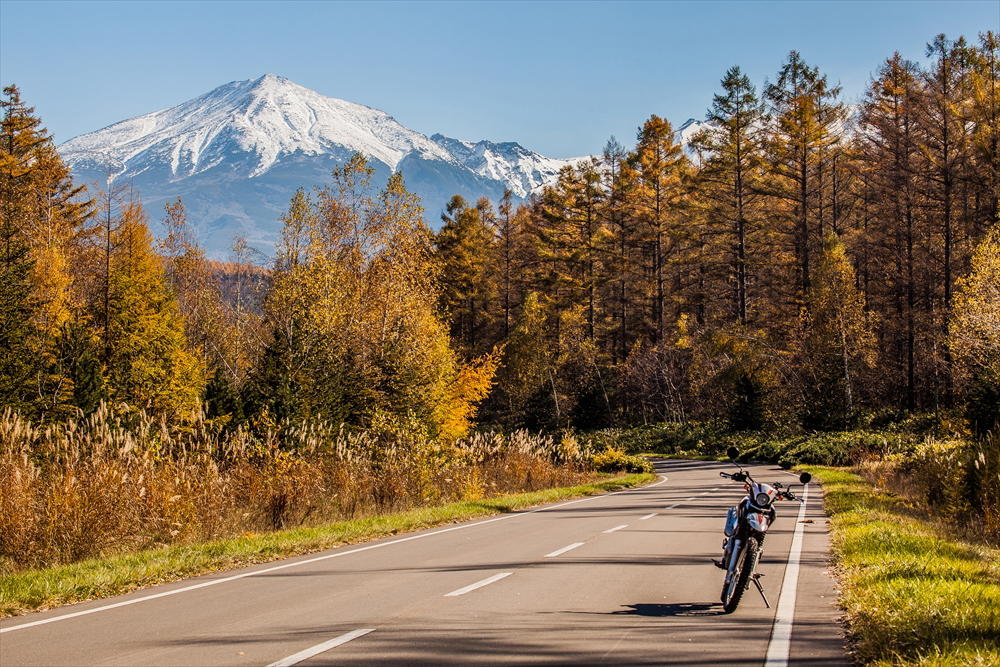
[(624, 579)]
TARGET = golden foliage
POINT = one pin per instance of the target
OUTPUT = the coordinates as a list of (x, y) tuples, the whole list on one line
[(467, 389), (974, 335), (149, 362)]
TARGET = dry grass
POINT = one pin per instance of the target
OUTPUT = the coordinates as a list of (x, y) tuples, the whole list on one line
[(117, 483), (955, 482), (30, 590)]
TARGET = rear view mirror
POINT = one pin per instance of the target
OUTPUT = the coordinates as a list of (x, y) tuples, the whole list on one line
[(732, 453), (805, 477)]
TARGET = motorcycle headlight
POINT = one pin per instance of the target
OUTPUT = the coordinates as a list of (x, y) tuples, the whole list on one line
[(762, 500)]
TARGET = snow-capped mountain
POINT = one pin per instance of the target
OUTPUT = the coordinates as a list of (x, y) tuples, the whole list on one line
[(236, 155)]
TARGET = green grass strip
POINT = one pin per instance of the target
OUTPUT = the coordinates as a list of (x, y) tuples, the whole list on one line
[(911, 596), (33, 590)]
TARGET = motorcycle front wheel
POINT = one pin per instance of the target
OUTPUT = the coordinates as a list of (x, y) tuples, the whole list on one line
[(746, 563)]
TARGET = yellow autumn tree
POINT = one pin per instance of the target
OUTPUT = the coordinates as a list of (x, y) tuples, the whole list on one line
[(41, 200), (469, 387), (974, 334), (660, 165), (355, 334), (209, 332), (839, 340), (149, 364)]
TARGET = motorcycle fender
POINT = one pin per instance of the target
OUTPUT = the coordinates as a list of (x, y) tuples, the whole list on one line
[(758, 522)]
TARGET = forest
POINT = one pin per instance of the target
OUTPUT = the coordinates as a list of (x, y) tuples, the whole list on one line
[(804, 263)]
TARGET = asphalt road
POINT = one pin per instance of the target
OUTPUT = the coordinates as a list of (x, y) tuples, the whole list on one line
[(623, 578)]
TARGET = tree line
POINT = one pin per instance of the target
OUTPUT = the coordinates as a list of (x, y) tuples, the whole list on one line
[(800, 259)]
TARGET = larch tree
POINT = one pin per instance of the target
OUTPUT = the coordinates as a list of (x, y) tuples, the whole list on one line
[(730, 179), (806, 117), (463, 247), (888, 157), (659, 162), (944, 143), (619, 181), (510, 239), (570, 236), (984, 88)]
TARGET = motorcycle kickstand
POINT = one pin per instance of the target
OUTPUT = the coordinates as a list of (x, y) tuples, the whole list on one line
[(760, 589)]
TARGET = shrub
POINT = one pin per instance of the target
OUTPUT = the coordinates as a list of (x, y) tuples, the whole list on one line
[(616, 460)]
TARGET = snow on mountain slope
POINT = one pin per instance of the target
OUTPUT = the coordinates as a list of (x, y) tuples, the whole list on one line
[(268, 117), (522, 170), (689, 128)]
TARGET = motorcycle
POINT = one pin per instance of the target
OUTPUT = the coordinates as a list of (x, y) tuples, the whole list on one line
[(746, 526)]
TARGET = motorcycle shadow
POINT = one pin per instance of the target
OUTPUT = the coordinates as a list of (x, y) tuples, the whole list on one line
[(676, 609)]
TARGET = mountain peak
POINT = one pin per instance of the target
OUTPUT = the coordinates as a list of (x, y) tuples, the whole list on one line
[(688, 123), (274, 84), (271, 77)]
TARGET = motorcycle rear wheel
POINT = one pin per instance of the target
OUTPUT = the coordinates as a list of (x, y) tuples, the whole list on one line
[(746, 564)]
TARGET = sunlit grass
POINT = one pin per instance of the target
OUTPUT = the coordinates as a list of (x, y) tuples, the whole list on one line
[(98, 578), (911, 596)]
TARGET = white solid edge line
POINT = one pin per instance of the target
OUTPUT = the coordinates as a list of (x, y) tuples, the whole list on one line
[(616, 528), (479, 584), (648, 516), (559, 552), (296, 658), (780, 645), (315, 559)]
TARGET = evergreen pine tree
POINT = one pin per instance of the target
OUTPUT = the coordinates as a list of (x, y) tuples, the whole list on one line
[(221, 398), (20, 362)]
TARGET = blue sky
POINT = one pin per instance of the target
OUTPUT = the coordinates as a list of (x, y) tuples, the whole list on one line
[(559, 77)]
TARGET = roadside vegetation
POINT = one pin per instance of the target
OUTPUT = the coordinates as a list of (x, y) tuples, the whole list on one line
[(35, 589), (933, 464), (913, 594), (108, 485)]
